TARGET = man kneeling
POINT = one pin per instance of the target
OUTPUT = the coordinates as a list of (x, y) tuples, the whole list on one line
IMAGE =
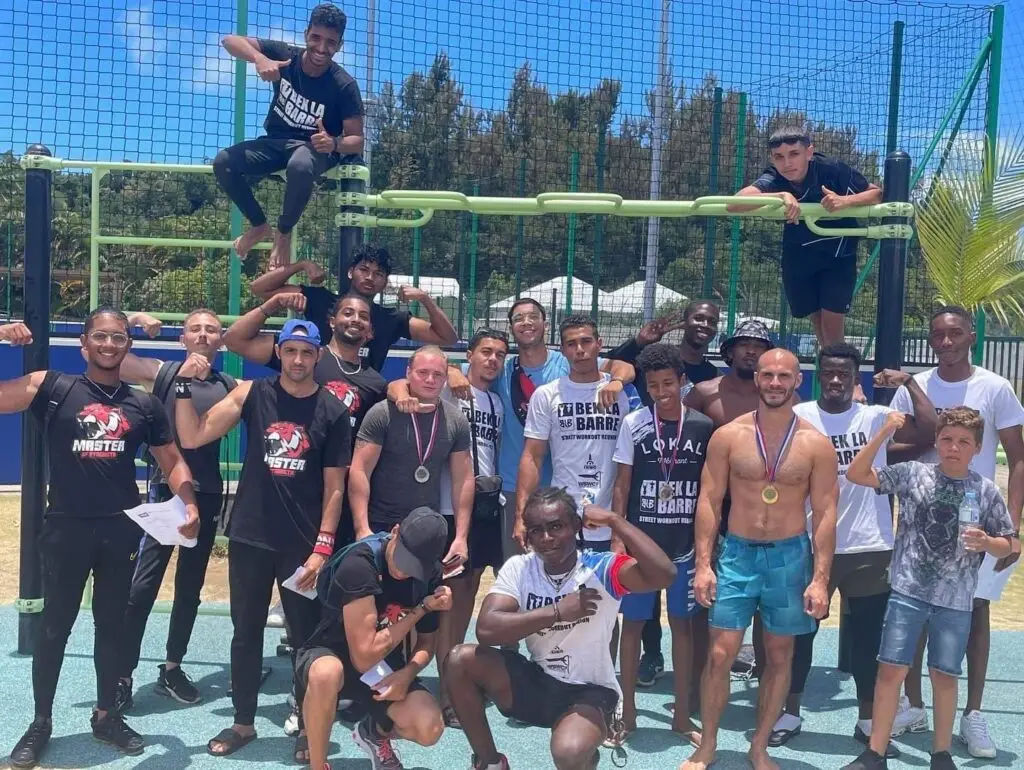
[(380, 589), (564, 603)]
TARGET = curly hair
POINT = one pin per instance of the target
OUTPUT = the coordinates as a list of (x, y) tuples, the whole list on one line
[(962, 417), (660, 356)]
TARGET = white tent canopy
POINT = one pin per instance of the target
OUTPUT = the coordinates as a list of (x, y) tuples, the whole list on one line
[(630, 298), (555, 290)]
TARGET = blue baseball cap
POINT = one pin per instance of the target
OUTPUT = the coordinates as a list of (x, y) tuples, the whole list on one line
[(301, 331)]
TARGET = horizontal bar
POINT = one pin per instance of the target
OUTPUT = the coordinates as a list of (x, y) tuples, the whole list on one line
[(179, 317), (369, 220), (347, 171), (183, 243)]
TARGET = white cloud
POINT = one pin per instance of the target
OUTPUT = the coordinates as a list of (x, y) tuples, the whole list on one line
[(142, 39)]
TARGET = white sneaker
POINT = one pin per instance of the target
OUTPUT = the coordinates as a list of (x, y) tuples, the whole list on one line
[(291, 724), (275, 618), (909, 719), (974, 732)]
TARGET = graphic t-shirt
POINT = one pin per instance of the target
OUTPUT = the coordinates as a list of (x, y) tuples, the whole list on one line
[(984, 391), (581, 440), (394, 491), (798, 242), (865, 519), (573, 652), (300, 99), (484, 413), (290, 441), (927, 563), (390, 324), (355, 577), (93, 439), (668, 522)]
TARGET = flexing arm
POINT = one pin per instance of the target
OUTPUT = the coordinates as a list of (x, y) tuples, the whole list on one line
[(650, 568), (276, 281), (195, 431), (135, 369), (436, 329), (925, 419), (366, 644), (364, 460), (861, 470), (16, 395), (245, 337), (501, 622)]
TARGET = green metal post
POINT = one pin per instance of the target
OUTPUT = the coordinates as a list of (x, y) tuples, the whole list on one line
[(462, 272), (895, 72), (734, 241), (954, 132), (570, 261), (520, 229), (10, 256), (599, 219), (94, 244), (711, 223), (473, 233), (415, 266), (208, 277)]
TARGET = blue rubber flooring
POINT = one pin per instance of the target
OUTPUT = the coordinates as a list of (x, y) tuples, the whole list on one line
[(177, 735)]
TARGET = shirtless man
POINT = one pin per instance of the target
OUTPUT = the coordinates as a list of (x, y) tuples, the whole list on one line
[(769, 461)]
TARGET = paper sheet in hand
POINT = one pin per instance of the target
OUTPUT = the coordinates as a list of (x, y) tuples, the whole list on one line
[(292, 584), (374, 675), (161, 521)]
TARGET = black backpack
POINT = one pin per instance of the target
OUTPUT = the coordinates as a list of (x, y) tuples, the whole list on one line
[(326, 577)]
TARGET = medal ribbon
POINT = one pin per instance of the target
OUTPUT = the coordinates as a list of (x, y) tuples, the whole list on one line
[(763, 450), (670, 463), (424, 456)]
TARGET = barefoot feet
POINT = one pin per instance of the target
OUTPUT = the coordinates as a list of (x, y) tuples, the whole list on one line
[(248, 239)]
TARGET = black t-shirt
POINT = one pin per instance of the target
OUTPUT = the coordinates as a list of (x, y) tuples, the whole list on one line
[(300, 100), (390, 324), (204, 462), (629, 350), (289, 443), (670, 523), (797, 240), (357, 576), (92, 440)]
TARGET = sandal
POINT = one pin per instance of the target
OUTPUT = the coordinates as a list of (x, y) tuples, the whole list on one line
[(617, 735), (301, 752), (783, 736), (451, 719), (231, 740)]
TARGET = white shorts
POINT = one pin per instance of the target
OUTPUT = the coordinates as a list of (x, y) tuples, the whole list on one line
[(990, 582)]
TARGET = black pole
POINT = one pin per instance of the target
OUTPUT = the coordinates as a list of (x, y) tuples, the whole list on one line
[(892, 265), (38, 212), (350, 229)]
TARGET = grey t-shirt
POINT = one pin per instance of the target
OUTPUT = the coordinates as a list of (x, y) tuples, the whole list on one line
[(927, 563), (393, 489)]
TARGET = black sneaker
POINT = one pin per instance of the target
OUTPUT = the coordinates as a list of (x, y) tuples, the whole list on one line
[(942, 760), (28, 750), (123, 701), (891, 752), (651, 667), (868, 760), (175, 683), (112, 729)]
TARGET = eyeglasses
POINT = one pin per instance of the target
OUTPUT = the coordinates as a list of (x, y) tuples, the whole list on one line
[(118, 339), (520, 318)]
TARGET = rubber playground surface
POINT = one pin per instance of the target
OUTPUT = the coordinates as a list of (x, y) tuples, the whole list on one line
[(177, 735)]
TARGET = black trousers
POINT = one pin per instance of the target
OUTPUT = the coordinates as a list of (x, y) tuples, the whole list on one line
[(188, 583), (262, 157), (650, 637), (71, 548), (252, 572)]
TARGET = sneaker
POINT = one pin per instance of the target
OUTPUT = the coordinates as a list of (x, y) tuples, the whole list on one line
[(275, 618), (175, 683), (382, 754), (501, 764), (974, 733), (909, 719), (868, 760), (291, 724), (112, 729), (123, 701), (862, 732), (29, 749), (651, 667), (942, 760)]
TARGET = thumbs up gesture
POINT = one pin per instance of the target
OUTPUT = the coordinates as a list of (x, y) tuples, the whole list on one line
[(269, 69), (831, 201), (322, 141)]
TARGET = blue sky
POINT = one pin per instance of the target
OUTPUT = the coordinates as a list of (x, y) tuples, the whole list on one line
[(147, 81)]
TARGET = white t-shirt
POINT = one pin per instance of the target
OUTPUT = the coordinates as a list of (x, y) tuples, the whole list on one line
[(486, 427), (577, 652), (865, 518), (581, 440), (985, 391)]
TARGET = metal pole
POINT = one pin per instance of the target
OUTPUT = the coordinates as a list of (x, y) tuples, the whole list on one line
[(711, 223), (36, 357), (415, 309), (657, 135), (602, 141), (520, 229), (350, 228), (462, 271), (895, 71), (892, 267), (570, 260), (734, 235), (473, 233), (371, 101)]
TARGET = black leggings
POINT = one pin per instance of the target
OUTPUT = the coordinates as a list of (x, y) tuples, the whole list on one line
[(651, 635), (252, 572), (864, 623), (188, 583), (262, 157), (71, 548)]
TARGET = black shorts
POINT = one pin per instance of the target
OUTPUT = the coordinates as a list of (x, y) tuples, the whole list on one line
[(484, 542), (352, 688), (541, 700), (813, 282)]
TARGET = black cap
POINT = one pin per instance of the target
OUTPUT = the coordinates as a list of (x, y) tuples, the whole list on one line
[(750, 329), (422, 539)]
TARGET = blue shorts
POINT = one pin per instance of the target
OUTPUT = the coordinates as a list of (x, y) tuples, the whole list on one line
[(770, 576), (907, 618), (681, 604)]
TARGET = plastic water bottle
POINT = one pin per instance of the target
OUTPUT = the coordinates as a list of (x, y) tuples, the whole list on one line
[(970, 516)]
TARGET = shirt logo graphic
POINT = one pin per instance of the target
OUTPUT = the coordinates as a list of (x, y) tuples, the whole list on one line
[(285, 443), (101, 428), (590, 479), (346, 394)]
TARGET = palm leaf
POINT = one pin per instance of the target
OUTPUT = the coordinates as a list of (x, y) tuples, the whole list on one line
[(970, 226)]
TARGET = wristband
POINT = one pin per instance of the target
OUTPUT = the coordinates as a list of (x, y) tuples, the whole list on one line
[(324, 544), (323, 550), (183, 387)]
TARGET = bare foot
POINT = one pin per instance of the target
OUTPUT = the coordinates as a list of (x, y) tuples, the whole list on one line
[(688, 730), (281, 255), (701, 759), (760, 760), (248, 239)]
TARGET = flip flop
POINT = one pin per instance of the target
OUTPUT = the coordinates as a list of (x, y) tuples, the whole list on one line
[(782, 737), (451, 719), (231, 740), (301, 747), (618, 735)]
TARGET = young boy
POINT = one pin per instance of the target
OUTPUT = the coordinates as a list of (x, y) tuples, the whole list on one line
[(934, 569), (659, 457)]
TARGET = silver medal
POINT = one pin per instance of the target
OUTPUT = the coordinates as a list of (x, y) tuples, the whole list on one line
[(422, 475)]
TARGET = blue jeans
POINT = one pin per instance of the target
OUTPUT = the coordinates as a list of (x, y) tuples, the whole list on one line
[(905, 620)]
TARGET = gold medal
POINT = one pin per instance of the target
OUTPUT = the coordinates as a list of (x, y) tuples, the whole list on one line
[(770, 495), (770, 492), (665, 493)]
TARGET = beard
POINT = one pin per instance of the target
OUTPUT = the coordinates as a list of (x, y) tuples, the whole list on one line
[(777, 401), (745, 374)]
